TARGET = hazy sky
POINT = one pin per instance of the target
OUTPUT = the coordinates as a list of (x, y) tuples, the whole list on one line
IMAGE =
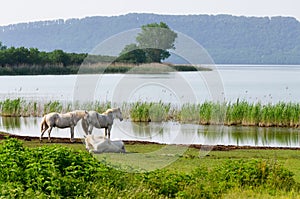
[(15, 11)]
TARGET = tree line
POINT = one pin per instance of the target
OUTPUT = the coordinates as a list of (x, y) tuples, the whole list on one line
[(32, 56)]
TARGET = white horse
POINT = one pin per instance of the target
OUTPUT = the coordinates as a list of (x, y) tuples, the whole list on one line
[(105, 120), (67, 120), (100, 144)]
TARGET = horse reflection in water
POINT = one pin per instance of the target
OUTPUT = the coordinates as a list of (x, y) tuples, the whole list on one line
[(105, 120), (66, 120)]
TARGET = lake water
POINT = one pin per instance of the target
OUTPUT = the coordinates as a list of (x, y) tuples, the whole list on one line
[(265, 84), (252, 83)]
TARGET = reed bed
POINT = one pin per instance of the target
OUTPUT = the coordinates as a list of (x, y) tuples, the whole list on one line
[(243, 113), (22, 108), (117, 67), (149, 112)]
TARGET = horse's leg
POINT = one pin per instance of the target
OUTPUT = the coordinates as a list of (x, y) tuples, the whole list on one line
[(72, 133), (84, 126), (49, 132), (105, 132), (43, 131), (109, 129)]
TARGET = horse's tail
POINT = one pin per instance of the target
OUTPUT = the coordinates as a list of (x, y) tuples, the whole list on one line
[(44, 124)]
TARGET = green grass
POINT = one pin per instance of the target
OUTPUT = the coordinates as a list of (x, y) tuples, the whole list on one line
[(191, 158)]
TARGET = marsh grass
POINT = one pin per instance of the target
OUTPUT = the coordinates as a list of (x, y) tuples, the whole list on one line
[(149, 112), (189, 113), (11, 107), (100, 107), (217, 113), (21, 108), (220, 113), (117, 67), (106, 66), (54, 106)]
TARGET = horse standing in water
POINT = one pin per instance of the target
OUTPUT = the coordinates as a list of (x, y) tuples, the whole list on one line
[(66, 120), (105, 120)]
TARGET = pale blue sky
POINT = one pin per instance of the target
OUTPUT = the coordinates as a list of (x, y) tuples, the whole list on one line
[(15, 11)]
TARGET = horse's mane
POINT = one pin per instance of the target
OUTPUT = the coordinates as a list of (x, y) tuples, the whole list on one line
[(79, 113), (110, 110)]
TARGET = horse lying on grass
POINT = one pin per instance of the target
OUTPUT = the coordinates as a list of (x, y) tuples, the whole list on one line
[(67, 120), (100, 144), (105, 120)]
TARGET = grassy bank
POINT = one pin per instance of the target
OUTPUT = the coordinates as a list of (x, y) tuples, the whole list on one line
[(228, 113), (100, 68), (40, 171), (97, 68)]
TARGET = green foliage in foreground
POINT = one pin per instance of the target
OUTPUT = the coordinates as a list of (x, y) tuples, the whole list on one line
[(56, 171)]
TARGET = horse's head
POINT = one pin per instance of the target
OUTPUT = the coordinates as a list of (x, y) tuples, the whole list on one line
[(118, 114), (88, 142)]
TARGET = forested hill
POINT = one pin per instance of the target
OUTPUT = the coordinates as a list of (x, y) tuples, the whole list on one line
[(228, 39)]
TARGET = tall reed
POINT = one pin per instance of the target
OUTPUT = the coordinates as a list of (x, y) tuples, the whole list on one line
[(159, 112), (11, 107), (189, 113), (149, 111), (54, 106)]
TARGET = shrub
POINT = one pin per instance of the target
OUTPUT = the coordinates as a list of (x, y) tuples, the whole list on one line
[(48, 170)]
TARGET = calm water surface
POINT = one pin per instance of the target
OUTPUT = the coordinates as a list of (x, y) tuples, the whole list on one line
[(252, 83)]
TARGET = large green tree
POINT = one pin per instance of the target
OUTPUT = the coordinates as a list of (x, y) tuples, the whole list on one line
[(153, 43), (132, 54), (156, 39)]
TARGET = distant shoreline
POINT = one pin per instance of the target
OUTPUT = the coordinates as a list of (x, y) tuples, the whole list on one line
[(100, 68)]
